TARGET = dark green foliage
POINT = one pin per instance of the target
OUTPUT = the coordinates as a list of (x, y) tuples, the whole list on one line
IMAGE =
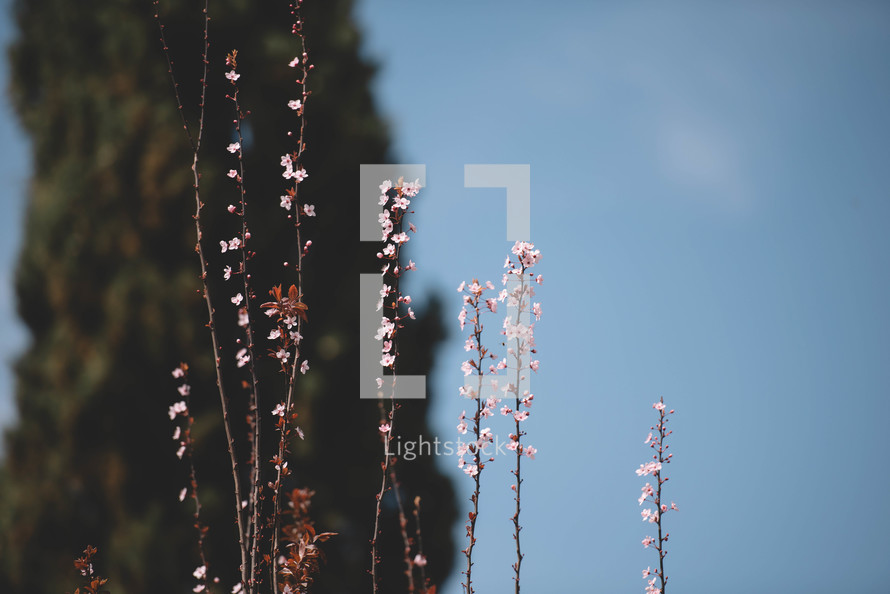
[(107, 284)]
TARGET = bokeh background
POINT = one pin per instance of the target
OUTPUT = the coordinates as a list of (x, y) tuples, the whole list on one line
[(709, 190)]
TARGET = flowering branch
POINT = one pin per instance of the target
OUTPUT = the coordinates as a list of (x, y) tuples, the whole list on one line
[(195, 144), (184, 437), (654, 496), (288, 336), (520, 330), (395, 202), (247, 354), (473, 298)]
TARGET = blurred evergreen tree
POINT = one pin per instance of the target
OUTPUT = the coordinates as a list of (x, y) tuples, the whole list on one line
[(107, 284)]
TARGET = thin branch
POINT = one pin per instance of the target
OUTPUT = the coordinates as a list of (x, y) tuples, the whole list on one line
[(195, 144), (418, 539), (305, 67)]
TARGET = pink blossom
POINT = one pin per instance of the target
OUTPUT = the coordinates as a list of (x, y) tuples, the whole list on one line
[(278, 411), (242, 357), (385, 427), (419, 560), (286, 202), (647, 492), (182, 494), (411, 188), (294, 104), (530, 452), (520, 416), (177, 432), (232, 173), (648, 468), (237, 299), (300, 175), (309, 210), (304, 367), (184, 390), (658, 406), (231, 208), (234, 147), (178, 408), (293, 64), (178, 372), (232, 75)]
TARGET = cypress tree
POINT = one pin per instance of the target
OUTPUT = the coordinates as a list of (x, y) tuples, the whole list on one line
[(107, 285)]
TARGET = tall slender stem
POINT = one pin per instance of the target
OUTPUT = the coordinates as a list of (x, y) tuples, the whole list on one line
[(195, 144)]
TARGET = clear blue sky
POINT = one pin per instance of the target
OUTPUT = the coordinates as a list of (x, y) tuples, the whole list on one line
[(710, 192)]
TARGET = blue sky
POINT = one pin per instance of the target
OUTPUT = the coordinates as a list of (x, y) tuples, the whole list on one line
[(710, 193), (15, 166), (709, 189)]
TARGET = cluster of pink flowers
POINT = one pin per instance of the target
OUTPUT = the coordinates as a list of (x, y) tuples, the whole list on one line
[(474, 304), (395, 201), (520, 329), (178, 409), (516, 328), (653, 495)]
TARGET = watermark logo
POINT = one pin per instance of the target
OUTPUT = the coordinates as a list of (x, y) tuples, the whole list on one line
[(517, 181)]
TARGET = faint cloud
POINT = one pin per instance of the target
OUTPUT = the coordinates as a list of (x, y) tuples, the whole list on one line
[(701, 158)]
